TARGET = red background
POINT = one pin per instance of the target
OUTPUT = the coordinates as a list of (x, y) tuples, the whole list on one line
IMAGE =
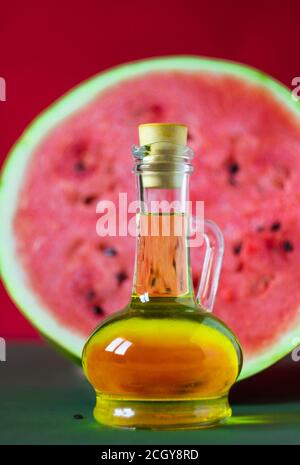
[(48, 47)]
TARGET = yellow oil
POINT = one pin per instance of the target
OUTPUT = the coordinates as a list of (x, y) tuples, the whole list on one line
[(163, 360)]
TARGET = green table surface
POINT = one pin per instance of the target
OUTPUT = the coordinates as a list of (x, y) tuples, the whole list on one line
[(40, 391)]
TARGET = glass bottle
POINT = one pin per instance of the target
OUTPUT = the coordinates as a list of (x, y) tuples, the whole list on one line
[(165, 362)]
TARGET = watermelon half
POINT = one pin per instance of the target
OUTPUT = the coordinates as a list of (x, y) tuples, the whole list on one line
[(245, 130)]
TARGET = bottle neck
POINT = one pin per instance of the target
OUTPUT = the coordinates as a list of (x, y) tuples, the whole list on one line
[(162, 262)]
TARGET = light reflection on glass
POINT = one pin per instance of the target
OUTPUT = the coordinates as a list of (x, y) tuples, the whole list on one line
[(119, 346), (123, 412)]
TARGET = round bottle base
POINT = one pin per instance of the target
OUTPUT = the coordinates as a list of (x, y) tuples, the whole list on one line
[(160, 414)]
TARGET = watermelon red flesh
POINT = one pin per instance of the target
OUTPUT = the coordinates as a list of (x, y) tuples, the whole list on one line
[(247, 172)]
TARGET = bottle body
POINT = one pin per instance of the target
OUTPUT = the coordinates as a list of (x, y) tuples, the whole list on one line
[(170, 366)]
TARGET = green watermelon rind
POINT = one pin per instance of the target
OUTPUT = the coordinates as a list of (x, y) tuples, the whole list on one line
[(14, 277)]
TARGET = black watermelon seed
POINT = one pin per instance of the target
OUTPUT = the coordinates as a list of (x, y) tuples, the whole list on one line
[(78, 416), (260, 229), (237, 248), (287, 246), (98, 310), (79, 166), (121, 276), (275, 226), (110, 252), (89, 199), (233, 167), (90, 295)]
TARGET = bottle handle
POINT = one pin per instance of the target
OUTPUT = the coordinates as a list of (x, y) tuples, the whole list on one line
[(212, 265)]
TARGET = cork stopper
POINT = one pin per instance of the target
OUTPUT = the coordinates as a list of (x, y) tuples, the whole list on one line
[(163, 132), (165, 167)]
